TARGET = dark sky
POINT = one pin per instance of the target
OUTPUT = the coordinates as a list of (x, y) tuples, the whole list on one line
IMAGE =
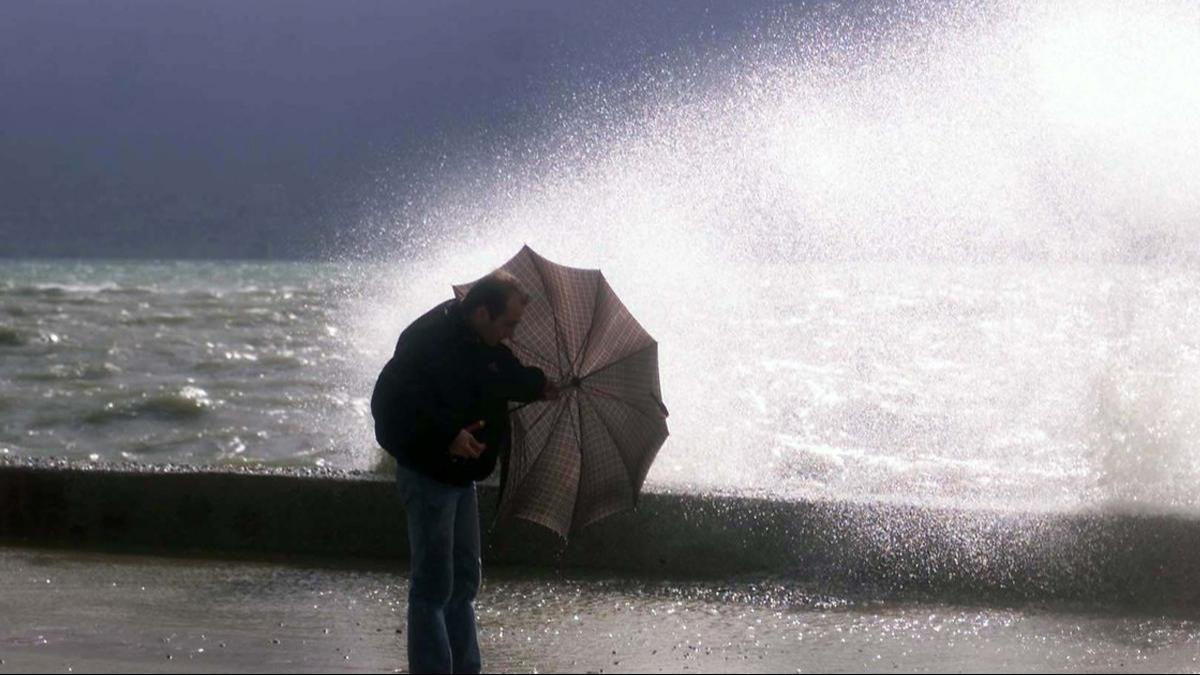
[(227, 128)]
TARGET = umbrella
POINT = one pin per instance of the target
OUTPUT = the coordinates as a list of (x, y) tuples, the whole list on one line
[(584, 456)]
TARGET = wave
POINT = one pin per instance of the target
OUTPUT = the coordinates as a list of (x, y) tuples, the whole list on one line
[(61, 372), (129, 290), (236, 360), (202, 297), (284, 361), (158, 320), (59, 290), (74, 294), (11, 337), (189, 403)]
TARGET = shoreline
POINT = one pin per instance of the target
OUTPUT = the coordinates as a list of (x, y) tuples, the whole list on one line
[(1128, 561)]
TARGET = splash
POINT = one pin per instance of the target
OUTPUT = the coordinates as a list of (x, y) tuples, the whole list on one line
[(878, 250)]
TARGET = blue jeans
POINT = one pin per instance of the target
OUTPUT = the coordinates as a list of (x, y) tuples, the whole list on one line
[(443, 539)]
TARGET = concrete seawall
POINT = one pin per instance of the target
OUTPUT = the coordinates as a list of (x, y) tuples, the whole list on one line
[(1139, 561)]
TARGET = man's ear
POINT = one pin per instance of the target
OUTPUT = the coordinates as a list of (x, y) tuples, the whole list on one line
[(481, 315)]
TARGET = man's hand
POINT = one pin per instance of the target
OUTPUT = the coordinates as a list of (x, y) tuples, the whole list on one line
[(551, 391), (465, 445)]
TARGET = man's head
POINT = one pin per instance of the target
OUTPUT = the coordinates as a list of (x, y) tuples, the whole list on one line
[(494, 306)]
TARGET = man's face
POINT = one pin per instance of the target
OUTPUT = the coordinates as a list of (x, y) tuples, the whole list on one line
[(493, 331)]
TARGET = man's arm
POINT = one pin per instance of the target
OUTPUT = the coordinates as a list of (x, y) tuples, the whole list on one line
[(513, 381)]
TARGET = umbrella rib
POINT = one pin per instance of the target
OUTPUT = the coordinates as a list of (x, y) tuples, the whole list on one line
[(525, 348), (521, 479), (579, 438), (618, 399), (558, 339), (628, 471), (579, 429), (623, 359), (587, 341), (537, 420)]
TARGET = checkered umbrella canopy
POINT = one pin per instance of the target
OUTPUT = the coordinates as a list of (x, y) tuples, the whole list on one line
[(583, 456)]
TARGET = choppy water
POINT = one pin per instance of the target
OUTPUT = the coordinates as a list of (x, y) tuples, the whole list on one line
[(996, 386), (199, 362)]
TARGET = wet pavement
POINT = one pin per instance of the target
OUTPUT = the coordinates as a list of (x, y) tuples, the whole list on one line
[(64, 611)]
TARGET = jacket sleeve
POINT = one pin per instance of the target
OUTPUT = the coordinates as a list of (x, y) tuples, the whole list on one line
[(513, 381)]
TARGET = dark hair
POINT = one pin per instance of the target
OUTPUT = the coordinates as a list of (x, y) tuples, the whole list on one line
[(493, 292)]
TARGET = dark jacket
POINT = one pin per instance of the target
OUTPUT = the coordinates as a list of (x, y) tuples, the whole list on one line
[(440, 380)]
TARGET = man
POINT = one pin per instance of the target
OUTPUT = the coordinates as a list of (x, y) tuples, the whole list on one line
[(441, 409)]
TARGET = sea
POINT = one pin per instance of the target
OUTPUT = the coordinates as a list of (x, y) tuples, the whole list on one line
[(1032, 386)]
